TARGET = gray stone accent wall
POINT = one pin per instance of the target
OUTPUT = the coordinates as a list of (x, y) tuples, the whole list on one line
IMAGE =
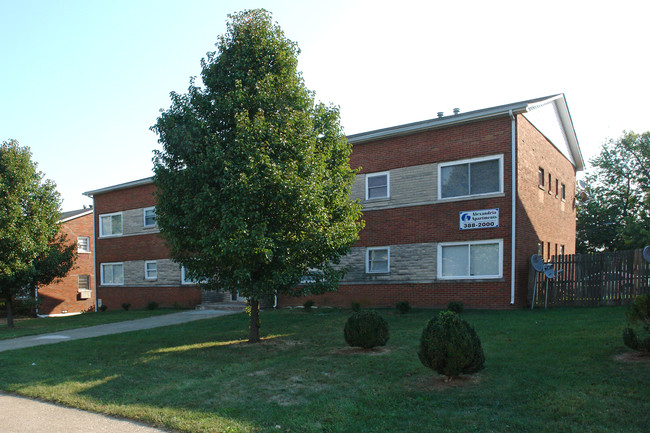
[(133, 223), (169, 274), (409, 263), (409, 186)]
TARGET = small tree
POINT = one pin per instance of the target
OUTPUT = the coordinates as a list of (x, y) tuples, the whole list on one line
[(254, 179), (638, 315), (31, 251), (450, 346)]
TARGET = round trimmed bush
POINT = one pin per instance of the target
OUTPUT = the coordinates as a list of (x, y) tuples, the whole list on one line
[(403, 307), (450, 346), (366, 329)]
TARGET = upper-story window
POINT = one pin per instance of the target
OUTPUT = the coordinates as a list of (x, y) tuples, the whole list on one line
[(377, 185), (541, 176), (470, 177), (150, 217), (83, 244), (110, 224), (563, 192)]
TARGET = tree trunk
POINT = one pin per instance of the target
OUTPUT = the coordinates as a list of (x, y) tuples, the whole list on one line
[(10, 312), (254, 334)]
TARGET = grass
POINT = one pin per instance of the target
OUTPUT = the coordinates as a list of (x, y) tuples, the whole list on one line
[(42, 325), (546, 371)]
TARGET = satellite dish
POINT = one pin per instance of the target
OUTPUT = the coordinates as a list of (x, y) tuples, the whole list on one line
[(538, 262), (549, 271), (646, 254), (582, 184)]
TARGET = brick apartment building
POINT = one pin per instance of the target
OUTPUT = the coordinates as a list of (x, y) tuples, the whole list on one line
[(74, 293), (454, 208)]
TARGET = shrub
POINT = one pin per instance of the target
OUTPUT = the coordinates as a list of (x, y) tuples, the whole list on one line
[(103, 308), (403, 307), (177, 306), (356, 307), (26, 306), (456, 306), (307, 305), (638, 316), (366, 329), (126, 306), (152, 305), (450, 346)]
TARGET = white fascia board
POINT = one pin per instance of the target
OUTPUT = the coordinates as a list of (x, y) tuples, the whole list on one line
[(126, 185), (76, 216)]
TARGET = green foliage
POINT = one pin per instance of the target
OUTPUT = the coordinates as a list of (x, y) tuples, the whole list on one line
[(126, 306), (366, 329), (26, 307), (356, 306), (456, 306), (613, 210), (307, 305), (103, 308), (450, 346), (31, 251), (254, 179), (638, 316), (152, 305), (403, 307)]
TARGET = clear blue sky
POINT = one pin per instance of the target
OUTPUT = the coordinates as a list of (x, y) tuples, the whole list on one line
[(82, 81)]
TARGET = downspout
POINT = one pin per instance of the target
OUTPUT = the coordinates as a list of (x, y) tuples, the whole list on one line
[(514, 207), (95, 258)]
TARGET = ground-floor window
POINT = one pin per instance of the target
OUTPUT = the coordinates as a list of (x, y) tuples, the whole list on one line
[(112, 273), (476, 259), (378, 260)]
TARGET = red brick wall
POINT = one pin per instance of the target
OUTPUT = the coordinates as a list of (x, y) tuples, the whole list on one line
[(62, 296), (124, 199), (541, 216), (139, 297)]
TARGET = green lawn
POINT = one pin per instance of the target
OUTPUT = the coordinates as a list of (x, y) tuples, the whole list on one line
[(546, 371), (43, 325)]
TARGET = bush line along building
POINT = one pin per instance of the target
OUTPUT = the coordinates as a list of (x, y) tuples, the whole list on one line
[(454, 208)]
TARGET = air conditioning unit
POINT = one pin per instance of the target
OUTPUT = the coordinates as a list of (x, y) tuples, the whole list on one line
[(84, 294)]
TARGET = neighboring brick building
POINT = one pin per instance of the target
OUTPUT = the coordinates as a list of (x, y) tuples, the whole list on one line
[(132, 261), (439, 206), (73, 293)]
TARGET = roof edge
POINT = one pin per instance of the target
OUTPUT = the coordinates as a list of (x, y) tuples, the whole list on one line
[(132, 184), (79, 215)]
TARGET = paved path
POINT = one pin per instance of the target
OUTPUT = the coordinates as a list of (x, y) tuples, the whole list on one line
[(110, 328), (22, 415)]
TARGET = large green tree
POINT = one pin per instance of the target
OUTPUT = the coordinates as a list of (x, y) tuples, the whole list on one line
[(32, 251), (254, 177), (614, 207)]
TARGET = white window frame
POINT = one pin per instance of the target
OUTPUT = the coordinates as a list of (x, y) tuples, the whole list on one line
[(380, 173), (79, 248), (471, 161), (470, 243), (183, 280), (144, 216), (146, 273), (101, 226), (101, 268), (368, 251)]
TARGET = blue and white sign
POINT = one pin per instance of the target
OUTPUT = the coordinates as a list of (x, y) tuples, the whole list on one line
[(479, 219)]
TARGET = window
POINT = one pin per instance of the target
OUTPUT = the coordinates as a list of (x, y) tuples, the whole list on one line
[(548, 249), (110, 224), (473, 177), (150, 270), (186, 280), (84, 282), (561, 250), (150, 217), (540, 249), (541, 178), (377, 185), (83, 244), (112, 274), (378, 260), (563, 192), (549, 183), (557, 188), (467, 260)]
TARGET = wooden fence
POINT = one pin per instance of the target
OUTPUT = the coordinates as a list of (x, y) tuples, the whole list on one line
[(591, 279)]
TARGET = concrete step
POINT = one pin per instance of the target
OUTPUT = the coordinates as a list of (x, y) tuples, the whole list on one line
[(228, 306)]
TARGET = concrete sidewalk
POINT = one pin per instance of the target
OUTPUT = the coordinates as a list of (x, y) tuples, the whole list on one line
[(22, 415), (110, 328)]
